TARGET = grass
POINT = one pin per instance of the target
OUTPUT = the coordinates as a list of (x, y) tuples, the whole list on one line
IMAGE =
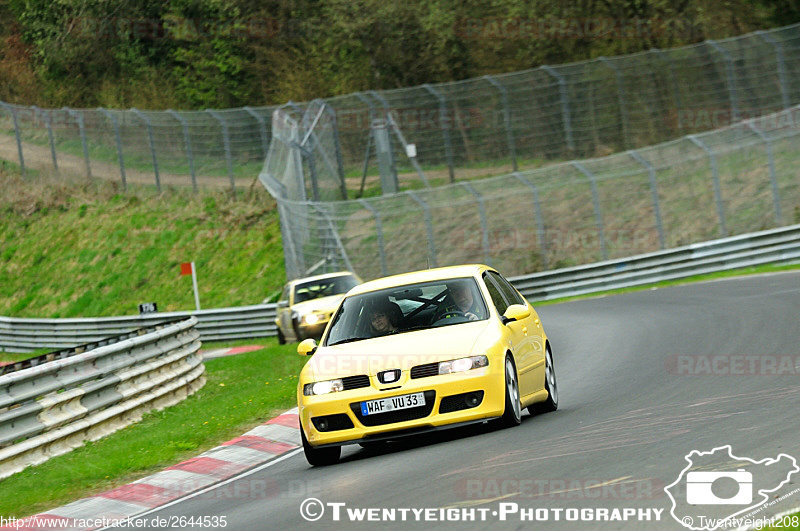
[(241, 392), (82, 248)]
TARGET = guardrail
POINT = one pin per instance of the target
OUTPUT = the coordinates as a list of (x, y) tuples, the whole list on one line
[(245, 322), (49, 409), (222, 324), (776, 246)]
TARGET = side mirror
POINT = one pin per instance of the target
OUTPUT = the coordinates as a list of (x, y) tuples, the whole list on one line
[(515, 312), (307, 347), (282, 304)]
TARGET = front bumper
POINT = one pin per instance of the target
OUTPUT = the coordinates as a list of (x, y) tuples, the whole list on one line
[(488, 382)]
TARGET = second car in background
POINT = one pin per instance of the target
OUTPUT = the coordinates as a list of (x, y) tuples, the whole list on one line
[(306, 304)]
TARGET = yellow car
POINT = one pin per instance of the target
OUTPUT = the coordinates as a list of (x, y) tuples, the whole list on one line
[(306, 304), (419, 352)]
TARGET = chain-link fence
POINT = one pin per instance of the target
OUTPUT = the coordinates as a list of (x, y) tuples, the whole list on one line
[(437, 133), (738, 179)]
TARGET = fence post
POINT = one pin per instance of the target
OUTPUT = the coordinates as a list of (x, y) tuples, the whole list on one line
[(226, 142), (537, 209), (623, 108), (565, 109), (428, 227), (651, 171), (47, 117), (368, 151), (715, 176), (337, 146), (79, 118), (512, 149), (445, 125), (487, 254), (772, 176), (149, 126), (262, 128), (118, 141), (596, 200), (731, 79), (379, 231), (781, 65), (188, 141), (13, 112)]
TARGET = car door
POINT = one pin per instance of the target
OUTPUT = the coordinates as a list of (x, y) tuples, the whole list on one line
[(527, 335)]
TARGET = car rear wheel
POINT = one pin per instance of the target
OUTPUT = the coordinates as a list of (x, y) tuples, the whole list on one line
[(320, 456), (550, 383), (512, 416)]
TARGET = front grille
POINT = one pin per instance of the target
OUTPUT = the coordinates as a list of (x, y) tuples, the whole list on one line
[(340, 421), (402, 415), (355, 382), (459, 402), (421, 371)]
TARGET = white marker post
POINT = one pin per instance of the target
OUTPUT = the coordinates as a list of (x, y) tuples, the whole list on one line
[(187, 268)]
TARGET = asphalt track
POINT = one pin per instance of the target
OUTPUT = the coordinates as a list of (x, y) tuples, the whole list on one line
[(635, 400)]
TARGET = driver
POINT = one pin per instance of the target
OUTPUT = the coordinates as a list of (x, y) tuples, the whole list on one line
[(460, 299)]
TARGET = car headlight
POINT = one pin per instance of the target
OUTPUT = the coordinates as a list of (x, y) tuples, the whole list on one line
[(463, 364), (323, 388), (312, 318)]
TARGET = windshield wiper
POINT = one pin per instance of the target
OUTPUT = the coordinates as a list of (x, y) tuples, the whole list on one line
[(348, 340)]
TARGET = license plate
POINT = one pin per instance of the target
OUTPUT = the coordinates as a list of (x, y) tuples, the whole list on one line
[(384, 405)]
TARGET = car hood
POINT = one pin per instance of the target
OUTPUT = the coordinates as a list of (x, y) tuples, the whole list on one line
[(322, 304), (396, 351)]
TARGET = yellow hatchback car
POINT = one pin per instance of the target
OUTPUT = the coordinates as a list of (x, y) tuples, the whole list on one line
[(422, 351)]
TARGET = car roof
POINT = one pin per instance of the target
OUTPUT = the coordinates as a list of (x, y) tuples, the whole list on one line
[(425, 275), (320, 277)]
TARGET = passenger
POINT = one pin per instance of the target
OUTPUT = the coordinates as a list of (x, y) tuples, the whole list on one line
[(384, 317)]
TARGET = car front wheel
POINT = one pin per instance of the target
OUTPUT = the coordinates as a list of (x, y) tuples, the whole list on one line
[(512, 416), (320, 456)]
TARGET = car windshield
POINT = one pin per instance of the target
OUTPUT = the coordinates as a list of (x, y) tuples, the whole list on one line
[(324, 287), (406, 308)]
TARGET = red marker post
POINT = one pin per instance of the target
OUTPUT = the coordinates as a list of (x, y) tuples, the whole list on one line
[(187, 268)]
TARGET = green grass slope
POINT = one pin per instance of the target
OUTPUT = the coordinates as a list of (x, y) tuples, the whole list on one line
[(85, 248)]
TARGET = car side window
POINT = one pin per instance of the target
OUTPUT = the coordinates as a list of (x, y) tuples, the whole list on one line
[(511, 295), (494, 292)]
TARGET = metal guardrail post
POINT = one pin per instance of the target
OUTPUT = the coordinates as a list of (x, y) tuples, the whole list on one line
[(623, 108), (487, 253), (537, 209), (512, 150), (428, 227), (731, 79), (118, 141), (675, 88), (651, 172), (262, 129), (781, 65), (445, 126), (187, 139), (79, 117), (152, 142), (715, 176), (565, 109), (772, 175), (226, 142), (596, 200), (13, 112), (378, 96), (379, 232)]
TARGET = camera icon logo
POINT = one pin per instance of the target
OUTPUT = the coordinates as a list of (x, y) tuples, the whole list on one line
[(700, 491)]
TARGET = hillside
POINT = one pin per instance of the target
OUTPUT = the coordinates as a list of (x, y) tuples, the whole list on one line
[(83, 249)]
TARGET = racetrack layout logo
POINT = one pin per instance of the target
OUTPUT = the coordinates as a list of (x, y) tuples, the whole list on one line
[(720, 484)]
